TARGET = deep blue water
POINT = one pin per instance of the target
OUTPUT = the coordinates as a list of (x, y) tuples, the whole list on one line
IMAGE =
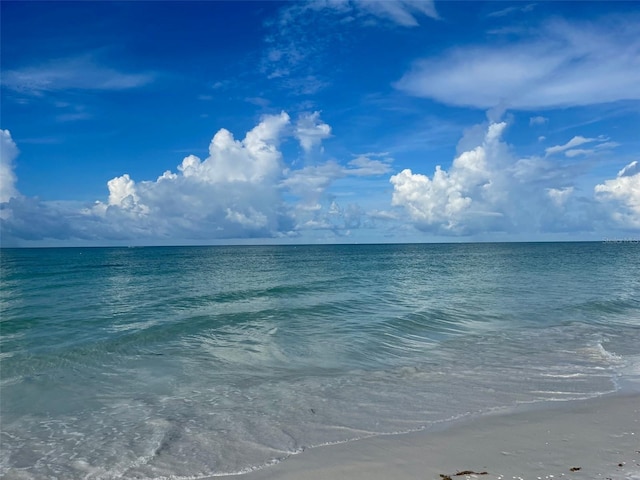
[(191, 361)]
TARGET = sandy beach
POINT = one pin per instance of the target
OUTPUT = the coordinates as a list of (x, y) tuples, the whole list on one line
[(591, 439)]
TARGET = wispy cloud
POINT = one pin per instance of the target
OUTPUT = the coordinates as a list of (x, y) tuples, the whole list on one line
[(258, 101), (73, 117), (370, 164), (77, 73), (574, 142), (601, 144), (40, 140), (539, 120), (311, 182), (601, 147), (562, 64), (405, 13), (401, 12), (295, 54), (511, 10)]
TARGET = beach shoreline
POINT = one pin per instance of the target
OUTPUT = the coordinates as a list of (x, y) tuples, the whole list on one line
[(148, 364), (587, 439)]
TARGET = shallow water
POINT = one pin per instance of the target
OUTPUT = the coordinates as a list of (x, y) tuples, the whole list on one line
[(191, 361)]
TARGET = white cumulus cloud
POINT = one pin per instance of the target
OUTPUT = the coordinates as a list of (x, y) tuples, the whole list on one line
[(559, 195), (451, 201), (8, 154), (233, 193), (310, 130), (488, 189), (623, 195), (242, 189)]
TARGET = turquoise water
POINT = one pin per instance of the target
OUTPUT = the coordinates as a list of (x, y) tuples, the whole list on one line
[(183, 362)]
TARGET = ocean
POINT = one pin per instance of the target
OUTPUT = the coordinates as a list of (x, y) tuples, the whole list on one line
[(188, 362)]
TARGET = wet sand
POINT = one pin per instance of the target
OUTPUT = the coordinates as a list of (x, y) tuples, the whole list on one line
[(591, 439)]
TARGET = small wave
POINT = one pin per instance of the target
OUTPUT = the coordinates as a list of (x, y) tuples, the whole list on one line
[(136, 326), (604, 353), (598, 352), (564, 375), (628, 377)]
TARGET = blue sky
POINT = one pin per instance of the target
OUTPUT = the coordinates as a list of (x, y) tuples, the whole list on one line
[(151, 123)]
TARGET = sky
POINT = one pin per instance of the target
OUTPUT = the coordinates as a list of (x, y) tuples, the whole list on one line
[(330, 121)]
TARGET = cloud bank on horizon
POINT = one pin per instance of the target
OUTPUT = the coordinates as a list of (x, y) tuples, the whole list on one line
[(547, 119), (239, 191)]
